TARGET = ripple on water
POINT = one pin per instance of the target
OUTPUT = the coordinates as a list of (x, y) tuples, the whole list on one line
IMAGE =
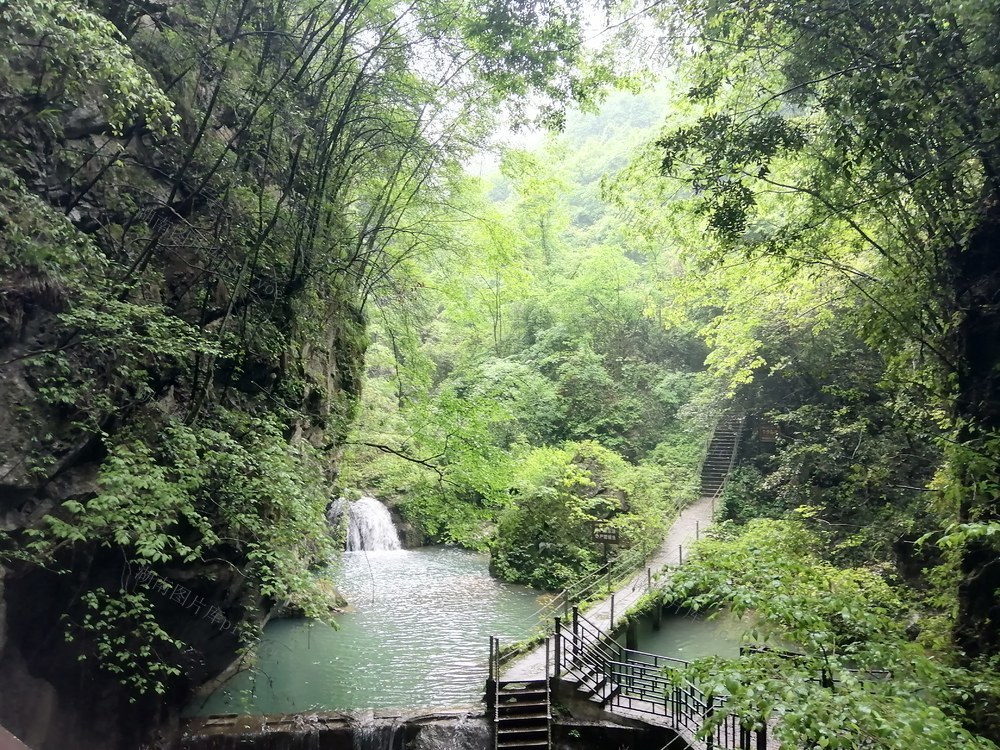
[(417, 637)]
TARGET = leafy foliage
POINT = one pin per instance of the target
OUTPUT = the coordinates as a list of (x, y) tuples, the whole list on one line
[(198, 202), (528, 339), (842, 672), (544, 535)]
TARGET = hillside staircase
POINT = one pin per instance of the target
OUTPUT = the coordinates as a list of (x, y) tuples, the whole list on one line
[(723, 451), (522, 709), (632, 683), (523, 715)]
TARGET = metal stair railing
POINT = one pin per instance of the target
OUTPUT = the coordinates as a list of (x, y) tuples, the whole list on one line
[(585, 586), (648, 683), (585, 639), (733, 456), (494, 681)]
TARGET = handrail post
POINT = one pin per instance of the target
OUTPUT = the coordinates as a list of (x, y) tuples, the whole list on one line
[(762, 737), (709, 712), (493, 683), (547, 646), (611, 625), (576, 634), (557, 662)]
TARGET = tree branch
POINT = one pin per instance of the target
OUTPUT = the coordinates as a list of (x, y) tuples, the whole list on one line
[(425, 462)]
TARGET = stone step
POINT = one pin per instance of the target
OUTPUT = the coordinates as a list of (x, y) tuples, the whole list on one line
[(502, 706), (525, 717), (507, 731)]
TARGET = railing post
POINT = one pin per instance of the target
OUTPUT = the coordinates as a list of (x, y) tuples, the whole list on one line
[(611, 626), (576, 634), (680, 554), (762, 737), (709, 712), (697, 530), (649, 579), (547, 647), (557, 661), (491, 658)]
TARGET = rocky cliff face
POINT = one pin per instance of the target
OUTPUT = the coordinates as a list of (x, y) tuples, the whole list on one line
[(180, 349)]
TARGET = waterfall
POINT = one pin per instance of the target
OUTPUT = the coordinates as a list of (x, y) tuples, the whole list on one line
[(369, 524), (462, 733), (375, 734)]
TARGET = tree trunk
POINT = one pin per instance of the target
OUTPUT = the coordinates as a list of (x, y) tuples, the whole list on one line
[(977, 410)]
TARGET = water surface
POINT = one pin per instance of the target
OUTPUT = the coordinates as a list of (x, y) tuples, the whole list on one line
[(418, 636), (690, 636)]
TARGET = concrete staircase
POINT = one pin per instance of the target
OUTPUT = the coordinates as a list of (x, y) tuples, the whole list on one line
[(586, 663), (722, 454), (523, 715)]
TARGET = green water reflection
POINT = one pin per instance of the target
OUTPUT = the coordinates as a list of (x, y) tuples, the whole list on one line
[(690, 636), (418, 637)]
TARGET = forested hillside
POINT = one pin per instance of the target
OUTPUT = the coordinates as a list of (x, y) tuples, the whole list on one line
[(830, 170), (524, 387), (198, 202), (257, 255)]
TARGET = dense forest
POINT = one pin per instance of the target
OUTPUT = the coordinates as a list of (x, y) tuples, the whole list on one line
[(256, 255)]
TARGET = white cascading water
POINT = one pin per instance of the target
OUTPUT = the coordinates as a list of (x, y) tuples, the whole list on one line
[(369, 524)]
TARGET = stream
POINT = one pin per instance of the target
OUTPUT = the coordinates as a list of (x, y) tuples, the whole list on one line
[(417, 636)]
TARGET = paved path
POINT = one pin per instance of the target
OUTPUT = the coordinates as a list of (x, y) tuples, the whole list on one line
[(695, 517)]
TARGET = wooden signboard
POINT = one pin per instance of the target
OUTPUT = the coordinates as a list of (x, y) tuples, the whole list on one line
[(605, 534)]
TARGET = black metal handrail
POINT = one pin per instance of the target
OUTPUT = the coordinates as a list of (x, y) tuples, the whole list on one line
[(648, 683), (581, 589)]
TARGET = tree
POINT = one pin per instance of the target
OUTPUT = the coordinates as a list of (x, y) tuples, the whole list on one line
[(199, 204), (857, 139)]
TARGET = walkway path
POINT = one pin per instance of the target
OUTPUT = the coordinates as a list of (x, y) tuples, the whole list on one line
[(695, 517)]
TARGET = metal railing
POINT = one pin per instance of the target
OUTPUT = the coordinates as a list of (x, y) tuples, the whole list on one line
[(586, 587), (738, 423), (649, 683)]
